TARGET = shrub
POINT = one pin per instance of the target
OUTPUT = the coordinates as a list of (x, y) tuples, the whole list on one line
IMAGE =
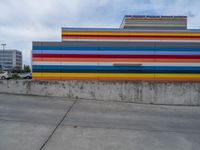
[(15, 76)]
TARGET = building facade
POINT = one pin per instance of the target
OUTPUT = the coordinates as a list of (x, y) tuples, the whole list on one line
[(10, 59), (119, 54)]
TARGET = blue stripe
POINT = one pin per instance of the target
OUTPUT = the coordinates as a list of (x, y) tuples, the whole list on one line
[(94, 52), (84, 48), (164, 68)]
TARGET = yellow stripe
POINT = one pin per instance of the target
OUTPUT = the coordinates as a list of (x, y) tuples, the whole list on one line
[(139, 75), (130, 33)]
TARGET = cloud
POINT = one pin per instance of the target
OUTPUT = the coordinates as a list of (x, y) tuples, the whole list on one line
[(24, 21)]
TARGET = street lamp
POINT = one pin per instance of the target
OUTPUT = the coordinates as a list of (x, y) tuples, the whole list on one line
[(3, 45)]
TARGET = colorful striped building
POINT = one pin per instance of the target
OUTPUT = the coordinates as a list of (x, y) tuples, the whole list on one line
[(119, 54)]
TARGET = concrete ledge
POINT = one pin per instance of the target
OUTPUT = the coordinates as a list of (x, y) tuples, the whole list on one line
[(146, 92)]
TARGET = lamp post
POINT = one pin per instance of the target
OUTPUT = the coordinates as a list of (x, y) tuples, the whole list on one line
[(3, 45)]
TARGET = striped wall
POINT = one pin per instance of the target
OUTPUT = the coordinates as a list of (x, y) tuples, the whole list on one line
[(155, 22), (74, 34), (115, 54)]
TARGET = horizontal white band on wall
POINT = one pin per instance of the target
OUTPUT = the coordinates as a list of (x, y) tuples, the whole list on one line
[(113, 64)]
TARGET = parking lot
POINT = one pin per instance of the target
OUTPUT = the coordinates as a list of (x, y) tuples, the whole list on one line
[(50, 123)]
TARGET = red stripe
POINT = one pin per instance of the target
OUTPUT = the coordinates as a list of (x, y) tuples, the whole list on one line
[(127, 36), (133, 38), (114, 56)]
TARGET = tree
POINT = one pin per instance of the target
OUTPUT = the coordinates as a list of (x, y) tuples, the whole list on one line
[(27, 68), (16, 69)]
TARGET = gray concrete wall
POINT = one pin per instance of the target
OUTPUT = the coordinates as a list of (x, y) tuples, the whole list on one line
[(149, 92)]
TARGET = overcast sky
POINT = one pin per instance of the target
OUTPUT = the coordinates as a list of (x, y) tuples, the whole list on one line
[(24, 21)]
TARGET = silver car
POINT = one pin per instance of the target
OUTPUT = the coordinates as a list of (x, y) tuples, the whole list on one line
[(5, 75)]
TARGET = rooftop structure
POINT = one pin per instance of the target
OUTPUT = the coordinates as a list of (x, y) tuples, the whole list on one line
[(154, 22)]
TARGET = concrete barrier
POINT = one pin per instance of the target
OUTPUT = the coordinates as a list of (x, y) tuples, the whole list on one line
[(148, 92)]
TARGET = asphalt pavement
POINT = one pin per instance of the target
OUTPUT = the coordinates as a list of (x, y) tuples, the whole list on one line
[(50, 123)]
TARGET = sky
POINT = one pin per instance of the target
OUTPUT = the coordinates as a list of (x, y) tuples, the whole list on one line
[(24, 21)]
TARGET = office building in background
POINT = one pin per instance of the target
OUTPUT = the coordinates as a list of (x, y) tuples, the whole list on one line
[(10, 59)]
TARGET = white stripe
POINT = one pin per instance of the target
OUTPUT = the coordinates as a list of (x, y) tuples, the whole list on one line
[(112, 63), (66, 63)]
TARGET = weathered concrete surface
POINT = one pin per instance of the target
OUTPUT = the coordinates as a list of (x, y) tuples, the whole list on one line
[(118, 139), (134, 116), (27, 121), (23, 135), (146, 92)]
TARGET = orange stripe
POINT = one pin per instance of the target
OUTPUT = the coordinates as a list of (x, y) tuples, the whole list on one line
[(177, 79), (90, 78), (124, 78), (64, 78), (71, 32), (157, 79), (45, 78), (113, 78), (112, 60), (177, 60), (79, 78)]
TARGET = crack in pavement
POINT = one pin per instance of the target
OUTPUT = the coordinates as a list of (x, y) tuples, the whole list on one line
[(57, 126)]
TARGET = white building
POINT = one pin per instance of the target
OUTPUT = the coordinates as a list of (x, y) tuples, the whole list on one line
[(10, 59)]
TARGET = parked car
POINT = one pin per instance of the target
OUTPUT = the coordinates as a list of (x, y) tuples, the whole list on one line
[(22, 74), (25, 75), (5, 75)]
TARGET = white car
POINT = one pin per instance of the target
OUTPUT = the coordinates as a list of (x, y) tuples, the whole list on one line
[(4, 75), (22, 74), (25, 75)]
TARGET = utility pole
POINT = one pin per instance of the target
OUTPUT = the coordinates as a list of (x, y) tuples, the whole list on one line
[(3, 45)]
